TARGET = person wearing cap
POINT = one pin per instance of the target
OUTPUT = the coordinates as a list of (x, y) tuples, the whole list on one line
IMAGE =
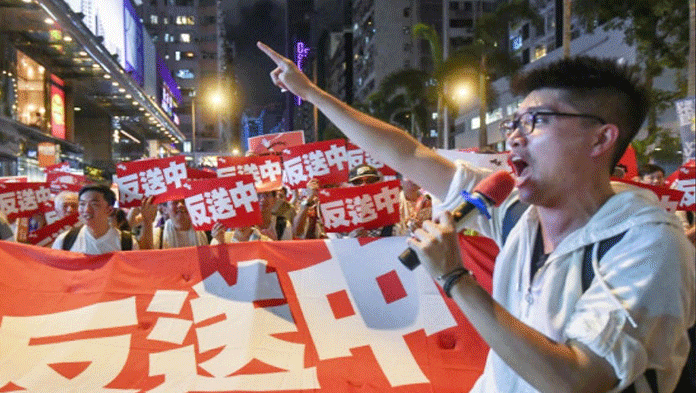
[(364, 174), (272, 227), (360, 176)]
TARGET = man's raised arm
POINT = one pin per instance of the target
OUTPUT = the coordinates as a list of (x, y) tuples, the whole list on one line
[(383, 141)]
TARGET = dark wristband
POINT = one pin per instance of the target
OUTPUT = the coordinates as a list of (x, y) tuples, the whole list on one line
[(451, 278)]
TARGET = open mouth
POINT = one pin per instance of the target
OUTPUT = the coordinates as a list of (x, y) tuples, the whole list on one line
[(518, 165)]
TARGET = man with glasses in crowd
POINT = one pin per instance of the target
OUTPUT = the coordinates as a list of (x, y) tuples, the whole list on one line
[(546, 332)]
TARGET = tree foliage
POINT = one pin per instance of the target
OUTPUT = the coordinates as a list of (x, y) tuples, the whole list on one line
[(659, 29)]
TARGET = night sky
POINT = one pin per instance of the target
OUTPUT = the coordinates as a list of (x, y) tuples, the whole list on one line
[(249, 21)]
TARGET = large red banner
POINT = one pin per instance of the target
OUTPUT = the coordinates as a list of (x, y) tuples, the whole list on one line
[(327, 161), (267, 170), (295, 316), (141, 179), (369, 206)]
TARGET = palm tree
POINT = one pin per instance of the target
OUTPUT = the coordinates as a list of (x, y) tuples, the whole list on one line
[(659, 32), (488, 55), (404, 98)]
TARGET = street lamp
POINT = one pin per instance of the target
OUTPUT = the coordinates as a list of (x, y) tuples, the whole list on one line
[(215, 99)]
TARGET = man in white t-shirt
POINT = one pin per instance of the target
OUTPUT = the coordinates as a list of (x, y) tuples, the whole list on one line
[(96, 235)]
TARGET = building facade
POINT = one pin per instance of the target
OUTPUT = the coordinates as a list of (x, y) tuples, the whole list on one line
[(75, 88)]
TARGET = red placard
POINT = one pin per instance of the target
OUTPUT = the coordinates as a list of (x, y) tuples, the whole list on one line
[(13, 179), (369, 206), (266, 170), (274, 143), (327, 161), (194, 173), (24, 199), (48, 233), (63, 181), (230, 200), (357, 156), (684, 179), (63, 167), (141, 179), (667, 197)]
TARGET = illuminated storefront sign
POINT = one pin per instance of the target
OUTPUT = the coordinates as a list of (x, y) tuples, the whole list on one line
[(301, 53), (57, 108)]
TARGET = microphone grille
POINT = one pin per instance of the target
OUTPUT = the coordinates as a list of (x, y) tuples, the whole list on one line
[(496, 187)]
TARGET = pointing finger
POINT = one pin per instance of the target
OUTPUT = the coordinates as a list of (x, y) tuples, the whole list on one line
[(277, 58)]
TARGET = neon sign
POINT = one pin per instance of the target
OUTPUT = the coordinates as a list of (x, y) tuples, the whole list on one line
[(301, 53)]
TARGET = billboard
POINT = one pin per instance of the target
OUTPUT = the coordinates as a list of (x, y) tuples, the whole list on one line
[(57, 107)]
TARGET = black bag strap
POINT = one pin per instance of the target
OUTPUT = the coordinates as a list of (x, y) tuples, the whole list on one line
[(280, 225), (70, 238), (512, 215), (604, 246), (126, 241)]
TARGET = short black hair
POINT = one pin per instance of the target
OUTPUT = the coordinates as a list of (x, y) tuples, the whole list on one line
[(650, 168), (108, 194), (601, 87)]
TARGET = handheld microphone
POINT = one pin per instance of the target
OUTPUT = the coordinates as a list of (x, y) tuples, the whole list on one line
[(491, 191)]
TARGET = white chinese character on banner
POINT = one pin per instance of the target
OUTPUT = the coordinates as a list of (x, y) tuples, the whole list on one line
[(221, 207), (337, 156), (387, 198), (43, 194), (372, 162), (380, 325), (233, 309), (105, 352), (129, 187), (8, 203), (252, 169), (153, 182), (26, 200), (315, 163), (333, 214), (270, 170), (294, 171), (227, 171), (355, 158), (174, 173), (689, 188), (196, 208), (244, 195), (51, 217), (361, 209)]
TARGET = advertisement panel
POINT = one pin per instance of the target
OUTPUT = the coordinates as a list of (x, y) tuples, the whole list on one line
[(57, 107), (133, 37)]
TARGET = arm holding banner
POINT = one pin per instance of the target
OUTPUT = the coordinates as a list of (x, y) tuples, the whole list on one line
[(148, 211), (383, 141)]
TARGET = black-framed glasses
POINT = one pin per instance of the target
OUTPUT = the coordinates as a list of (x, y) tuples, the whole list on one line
[(526, 121)]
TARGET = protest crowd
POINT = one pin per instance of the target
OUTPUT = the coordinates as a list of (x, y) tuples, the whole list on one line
[(337, 190)]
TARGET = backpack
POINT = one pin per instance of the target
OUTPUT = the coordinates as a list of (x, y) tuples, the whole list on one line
[(687, 380), (69, 239)]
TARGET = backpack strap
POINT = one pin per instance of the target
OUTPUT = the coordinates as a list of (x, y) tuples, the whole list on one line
[(280, 225), (126, 241), (604, 246), (386, 231), (512, 215), (70, 237)]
